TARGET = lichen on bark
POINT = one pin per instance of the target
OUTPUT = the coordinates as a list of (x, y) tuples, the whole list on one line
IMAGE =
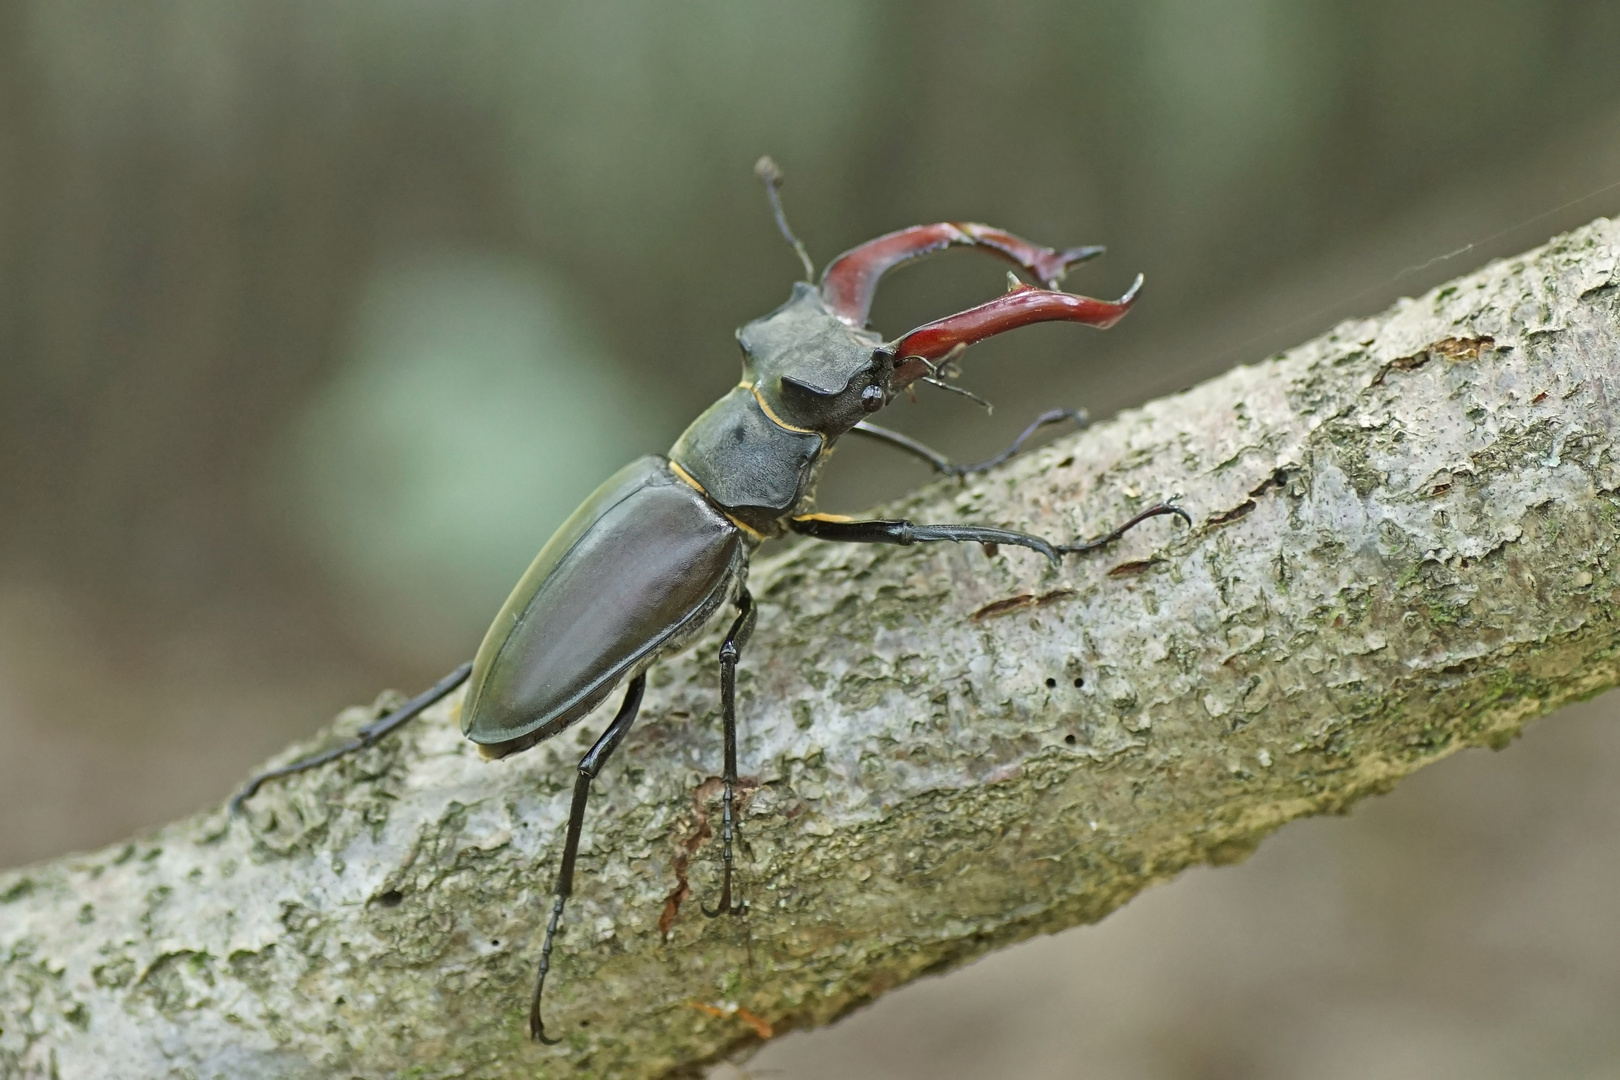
[(1403, 545)]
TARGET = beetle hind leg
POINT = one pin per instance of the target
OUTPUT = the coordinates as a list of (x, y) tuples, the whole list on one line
[(730, 652), (589, 766), (363, 738)]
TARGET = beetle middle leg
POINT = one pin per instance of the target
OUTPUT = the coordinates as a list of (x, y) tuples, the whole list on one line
[(730, 652), (942, 464), (589, 766)]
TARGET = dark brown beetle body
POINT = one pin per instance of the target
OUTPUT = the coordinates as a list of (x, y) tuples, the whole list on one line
[(643, 566), (638, 569), (646, 550), (757, 451)]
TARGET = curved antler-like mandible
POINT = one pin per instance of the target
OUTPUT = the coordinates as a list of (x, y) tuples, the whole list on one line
[(850, 280), (917, 353)]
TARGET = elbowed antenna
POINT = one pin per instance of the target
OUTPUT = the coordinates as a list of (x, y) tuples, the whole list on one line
[(768, 171)]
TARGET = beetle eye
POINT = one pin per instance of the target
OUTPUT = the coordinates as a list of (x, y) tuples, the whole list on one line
[(872, 398)]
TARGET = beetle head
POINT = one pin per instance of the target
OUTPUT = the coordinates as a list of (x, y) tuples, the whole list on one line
[(813, 369)]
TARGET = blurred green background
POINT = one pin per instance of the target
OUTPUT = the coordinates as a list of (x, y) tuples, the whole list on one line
[(316, 318)]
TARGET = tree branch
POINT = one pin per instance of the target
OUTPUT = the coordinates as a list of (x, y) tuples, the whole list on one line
[(1404, 543)]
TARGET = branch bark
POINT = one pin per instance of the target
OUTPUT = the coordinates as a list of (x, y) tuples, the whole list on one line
[(1404, 547)]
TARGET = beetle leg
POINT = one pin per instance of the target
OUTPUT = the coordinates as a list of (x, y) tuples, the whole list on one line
[(1082, 546), (589, 766), (730, 652), (362, 738), (903, 442), (917, 351), (942, 464), (905, 533), (850, 280)]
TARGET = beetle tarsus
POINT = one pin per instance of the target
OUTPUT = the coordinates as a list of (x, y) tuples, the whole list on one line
[(537, 1026), (361, 739), (589, 766), (730, 653), (1103, 541)]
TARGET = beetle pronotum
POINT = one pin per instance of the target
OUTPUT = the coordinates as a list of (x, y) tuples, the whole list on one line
[(641, 568)]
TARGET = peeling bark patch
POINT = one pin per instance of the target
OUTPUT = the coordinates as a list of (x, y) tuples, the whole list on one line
[(684, 852), (177, 981), (1355, 450), (1459, 349), (1242, 509), (1453, 349), (677, 896), (1019, 603), (1278, 479), (728, 1009)]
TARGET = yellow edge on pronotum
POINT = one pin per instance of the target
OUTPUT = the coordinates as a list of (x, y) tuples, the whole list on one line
[(743, 525)]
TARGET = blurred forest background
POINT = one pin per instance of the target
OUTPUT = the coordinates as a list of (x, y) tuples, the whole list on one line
[(317, 317)]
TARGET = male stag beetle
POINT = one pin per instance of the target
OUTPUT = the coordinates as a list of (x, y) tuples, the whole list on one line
[(639, 570)]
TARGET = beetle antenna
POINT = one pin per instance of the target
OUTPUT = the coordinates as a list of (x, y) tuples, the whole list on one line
[(768, 171), (953, 388), (946, 369)]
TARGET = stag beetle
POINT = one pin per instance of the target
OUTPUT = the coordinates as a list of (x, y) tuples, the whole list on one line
[(640, 569)]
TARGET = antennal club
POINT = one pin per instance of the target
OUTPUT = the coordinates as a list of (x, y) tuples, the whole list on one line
[(768, 171)]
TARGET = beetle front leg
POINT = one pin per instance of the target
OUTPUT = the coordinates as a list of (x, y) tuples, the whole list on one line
[(1080, 547), (730, 652), (942, 464), (905, 533), (589, 766)]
